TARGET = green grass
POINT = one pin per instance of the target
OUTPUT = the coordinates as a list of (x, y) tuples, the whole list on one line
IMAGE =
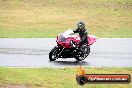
[(47, 18), (55, 77)]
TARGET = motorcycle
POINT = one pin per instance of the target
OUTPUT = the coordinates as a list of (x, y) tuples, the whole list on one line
[(67, 46)]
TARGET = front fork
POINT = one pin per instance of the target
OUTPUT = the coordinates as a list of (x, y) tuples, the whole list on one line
[(59, 51)]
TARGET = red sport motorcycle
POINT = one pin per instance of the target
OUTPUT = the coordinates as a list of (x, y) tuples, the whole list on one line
[(67, 46)]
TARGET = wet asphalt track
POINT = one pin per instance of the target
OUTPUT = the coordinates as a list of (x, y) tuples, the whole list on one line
[(33, 52)]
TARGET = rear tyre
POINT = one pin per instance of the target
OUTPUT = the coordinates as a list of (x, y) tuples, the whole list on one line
[(52, 54), (79, 58), (84, 52), (89, 49)]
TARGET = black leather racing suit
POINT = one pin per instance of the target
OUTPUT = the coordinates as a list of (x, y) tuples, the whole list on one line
[(83, 34)]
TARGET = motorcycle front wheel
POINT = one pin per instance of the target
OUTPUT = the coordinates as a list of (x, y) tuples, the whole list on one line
[(52, 54)]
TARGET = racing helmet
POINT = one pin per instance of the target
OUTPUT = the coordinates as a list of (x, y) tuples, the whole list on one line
[(81, 25)]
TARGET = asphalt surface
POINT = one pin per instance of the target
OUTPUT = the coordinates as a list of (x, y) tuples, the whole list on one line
[(33, 52)]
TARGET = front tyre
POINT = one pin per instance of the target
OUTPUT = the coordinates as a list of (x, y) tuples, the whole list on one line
[(52, 54)]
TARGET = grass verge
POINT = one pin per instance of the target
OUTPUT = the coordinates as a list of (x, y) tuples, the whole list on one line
[(55, 77), (47, 18)]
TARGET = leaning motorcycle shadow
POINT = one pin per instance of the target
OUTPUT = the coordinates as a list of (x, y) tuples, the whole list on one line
[(70, 63)]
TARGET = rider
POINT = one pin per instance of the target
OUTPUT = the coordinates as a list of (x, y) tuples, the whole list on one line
[(82, 33)]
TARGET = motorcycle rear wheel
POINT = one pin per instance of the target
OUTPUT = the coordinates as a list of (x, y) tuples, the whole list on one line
[(79, 58), (84, 55)]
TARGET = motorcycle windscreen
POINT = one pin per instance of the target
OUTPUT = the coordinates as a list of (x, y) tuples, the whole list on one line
[(61, 38)]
